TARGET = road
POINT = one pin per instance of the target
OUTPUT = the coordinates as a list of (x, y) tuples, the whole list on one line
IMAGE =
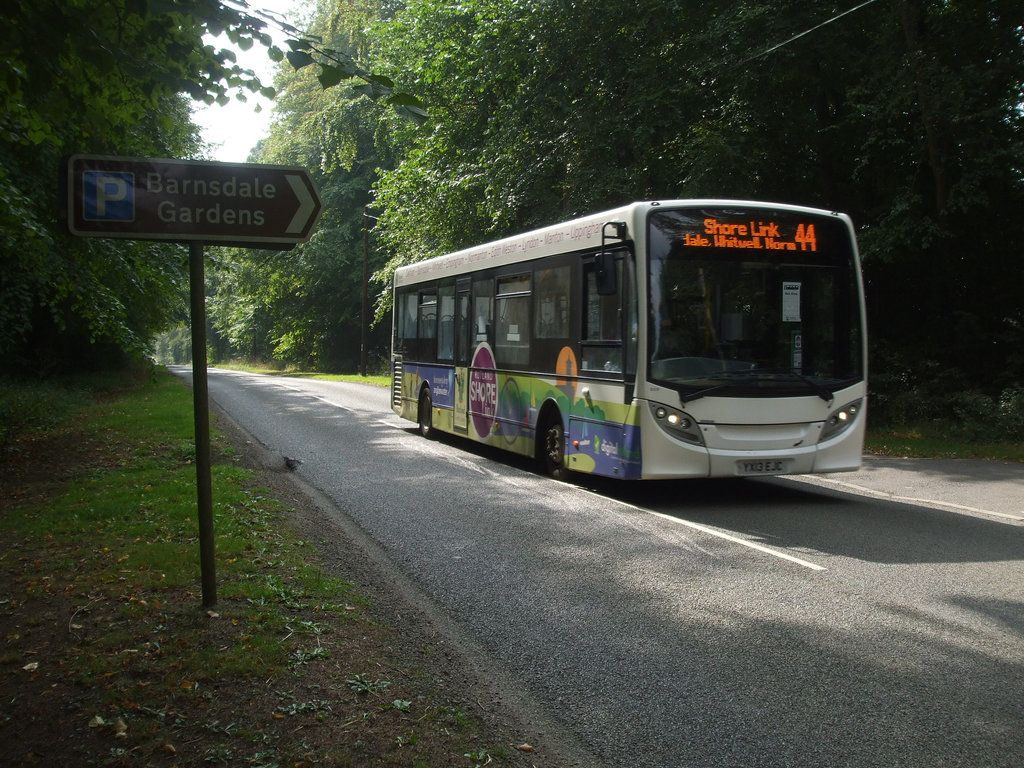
[(773, 622)]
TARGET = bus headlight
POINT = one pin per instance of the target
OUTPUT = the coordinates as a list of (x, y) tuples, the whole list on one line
[(840, 419), (676, 423)]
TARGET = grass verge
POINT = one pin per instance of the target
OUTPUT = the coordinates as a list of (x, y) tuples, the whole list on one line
[(928, 442), (107, 658), (376, 380)]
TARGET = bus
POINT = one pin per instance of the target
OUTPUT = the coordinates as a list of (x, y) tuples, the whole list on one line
[(662, 339)]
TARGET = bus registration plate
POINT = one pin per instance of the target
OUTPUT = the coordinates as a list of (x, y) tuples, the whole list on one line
[(763, 467)]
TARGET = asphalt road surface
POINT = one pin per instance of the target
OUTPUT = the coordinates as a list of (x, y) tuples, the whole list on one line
[(771, 622)]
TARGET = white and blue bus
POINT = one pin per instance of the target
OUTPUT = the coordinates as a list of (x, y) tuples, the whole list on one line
[(669, 339)]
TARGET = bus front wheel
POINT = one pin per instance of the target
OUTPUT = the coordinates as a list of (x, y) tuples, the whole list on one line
[(552, 448), (426, 418)]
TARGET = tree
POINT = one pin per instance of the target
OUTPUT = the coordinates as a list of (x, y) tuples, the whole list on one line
[(941, 175), (68, 87), (100, 77), (112, 78), (303, 307)]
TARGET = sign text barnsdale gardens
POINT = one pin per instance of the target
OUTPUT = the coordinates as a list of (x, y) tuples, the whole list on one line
[(186, 200)]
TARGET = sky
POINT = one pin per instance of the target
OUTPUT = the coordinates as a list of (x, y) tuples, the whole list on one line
[(234, 129)]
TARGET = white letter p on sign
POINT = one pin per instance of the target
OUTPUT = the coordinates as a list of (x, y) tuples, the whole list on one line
[(109, 189), (109, 196)]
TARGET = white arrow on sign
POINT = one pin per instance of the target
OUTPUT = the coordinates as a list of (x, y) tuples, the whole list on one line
[(307, 203)]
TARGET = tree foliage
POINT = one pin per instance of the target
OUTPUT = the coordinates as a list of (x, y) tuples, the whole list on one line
[(111, 77), (304, 307), (107, 78)]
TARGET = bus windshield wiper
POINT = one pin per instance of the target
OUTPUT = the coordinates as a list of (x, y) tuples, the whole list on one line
[(698, 394), (821, 391), (731, 376)]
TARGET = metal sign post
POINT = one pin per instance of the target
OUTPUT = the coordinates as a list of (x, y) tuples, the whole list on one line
[(201, 406), (194, 202)]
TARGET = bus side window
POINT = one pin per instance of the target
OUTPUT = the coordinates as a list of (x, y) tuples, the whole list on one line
[(551, 315), (602, 324), (627, 287), (463, 324), (427, 327), (512, 310), (483, 299), (405, 323), (446, 323)]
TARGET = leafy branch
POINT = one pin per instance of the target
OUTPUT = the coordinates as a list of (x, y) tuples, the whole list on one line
[(245, 26), (337, 66), (183, 63)]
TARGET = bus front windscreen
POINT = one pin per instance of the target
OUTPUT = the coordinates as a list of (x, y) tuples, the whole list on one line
[(752, 302)]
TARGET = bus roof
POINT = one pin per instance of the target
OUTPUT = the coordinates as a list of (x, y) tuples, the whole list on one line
[(568, 236)]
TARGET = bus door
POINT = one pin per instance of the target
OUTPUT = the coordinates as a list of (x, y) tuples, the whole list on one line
[(463, 336), (602, 429)]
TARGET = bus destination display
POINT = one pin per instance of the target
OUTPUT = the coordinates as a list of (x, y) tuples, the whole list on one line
[(757, 235)]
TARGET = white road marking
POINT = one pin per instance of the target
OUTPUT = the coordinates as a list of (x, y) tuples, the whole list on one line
[(909, 499), (310, 395), (720, 534)]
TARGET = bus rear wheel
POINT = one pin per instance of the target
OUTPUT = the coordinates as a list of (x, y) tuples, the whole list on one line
[(426, 418), (552, 448)]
